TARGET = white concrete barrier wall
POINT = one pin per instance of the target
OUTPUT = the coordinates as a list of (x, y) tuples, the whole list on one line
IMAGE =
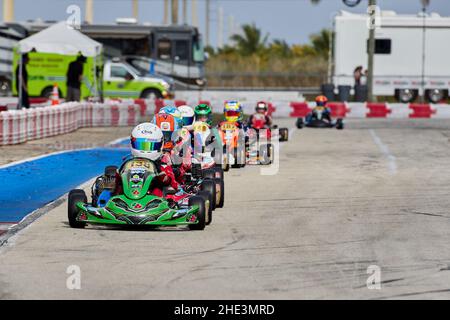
[(18, 126)]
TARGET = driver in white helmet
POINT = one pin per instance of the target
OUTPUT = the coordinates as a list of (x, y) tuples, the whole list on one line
[(188, 115), (146, 142)]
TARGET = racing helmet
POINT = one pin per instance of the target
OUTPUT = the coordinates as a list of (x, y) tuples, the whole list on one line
[(187, 114), (232, 111), (321, 101), (174, 112), (168, 125), (261, 107), (203, 113), (146, 141)]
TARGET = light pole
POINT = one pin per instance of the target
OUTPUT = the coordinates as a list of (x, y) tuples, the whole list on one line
[(425, 4), (371, 50)]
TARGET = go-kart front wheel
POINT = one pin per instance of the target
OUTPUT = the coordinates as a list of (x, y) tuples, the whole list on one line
[(75, 196), (266, 154), (284, 134), (201, 213), (208, 205), (220, 192), (339, 124), (299, 123), (209, 185)]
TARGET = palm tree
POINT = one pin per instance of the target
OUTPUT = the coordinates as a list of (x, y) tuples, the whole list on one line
[(280, 48), (321, 42), (250, 41)]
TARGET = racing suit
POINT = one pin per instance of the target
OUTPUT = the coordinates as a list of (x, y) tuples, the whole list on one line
[(326, 115), (268, 120), (181, 151)]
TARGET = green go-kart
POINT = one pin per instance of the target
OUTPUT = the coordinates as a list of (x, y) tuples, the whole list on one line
[(135, 205)]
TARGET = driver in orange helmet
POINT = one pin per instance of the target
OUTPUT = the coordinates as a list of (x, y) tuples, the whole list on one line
[(321, 102)]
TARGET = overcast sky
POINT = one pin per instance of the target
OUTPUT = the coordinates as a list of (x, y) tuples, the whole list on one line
[(292, 20)]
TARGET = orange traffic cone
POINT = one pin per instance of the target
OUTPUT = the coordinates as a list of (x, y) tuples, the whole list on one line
[(55, 95)]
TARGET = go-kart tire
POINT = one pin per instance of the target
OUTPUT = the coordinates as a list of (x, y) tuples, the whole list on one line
[(75, 196), (201, 214), (284, 134), (265, 154), (220, 199), (210, 186), (299, 123), (339, 124), (224, 162), (209, 174), (207, 197), (110, 171), (236, 163), (244, 158), (218, 172)]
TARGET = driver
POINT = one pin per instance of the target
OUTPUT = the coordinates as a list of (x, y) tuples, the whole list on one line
[(203, 113), (233, 112), (187, 114), (147, 142), (176, 148), (321, 102), (262, 110)]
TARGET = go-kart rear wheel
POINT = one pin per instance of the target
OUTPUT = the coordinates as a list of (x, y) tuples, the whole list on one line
[(284, 134), (208, 205), (201, 213), (210, 186), (209, 174), (75, 196), (220, 192), (110, 171), (299, 123)]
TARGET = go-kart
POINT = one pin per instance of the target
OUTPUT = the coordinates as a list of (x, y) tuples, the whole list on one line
[(259, 140), (233, 149), (204, 160), (135, 205), (317, 119)]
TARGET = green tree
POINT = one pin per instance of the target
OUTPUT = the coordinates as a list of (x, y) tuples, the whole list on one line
[(321, 43), (280, 48), (251, 41)]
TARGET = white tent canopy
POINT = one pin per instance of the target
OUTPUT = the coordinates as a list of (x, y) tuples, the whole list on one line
[(60, 38)]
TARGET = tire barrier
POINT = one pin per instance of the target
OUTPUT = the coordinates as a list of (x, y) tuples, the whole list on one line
[(18, 126)]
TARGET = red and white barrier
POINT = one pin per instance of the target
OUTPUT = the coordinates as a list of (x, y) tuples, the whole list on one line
[(18, 126), (375, 110)]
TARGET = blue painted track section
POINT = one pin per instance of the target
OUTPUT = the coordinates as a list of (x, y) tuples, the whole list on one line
[(30, 185)]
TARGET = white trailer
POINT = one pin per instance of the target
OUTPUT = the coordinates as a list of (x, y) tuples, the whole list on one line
[(412, 53)]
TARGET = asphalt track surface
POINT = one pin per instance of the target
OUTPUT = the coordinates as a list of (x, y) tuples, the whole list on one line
[(376, 193)]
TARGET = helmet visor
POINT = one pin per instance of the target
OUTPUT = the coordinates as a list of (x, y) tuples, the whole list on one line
[(232, 113), (187, 121), (144, 144)]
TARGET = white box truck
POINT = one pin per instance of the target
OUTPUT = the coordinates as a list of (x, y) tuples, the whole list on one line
[(412, 53)]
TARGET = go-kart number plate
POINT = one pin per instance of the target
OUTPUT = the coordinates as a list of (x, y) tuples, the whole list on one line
[(228, 127), (201, 127)]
